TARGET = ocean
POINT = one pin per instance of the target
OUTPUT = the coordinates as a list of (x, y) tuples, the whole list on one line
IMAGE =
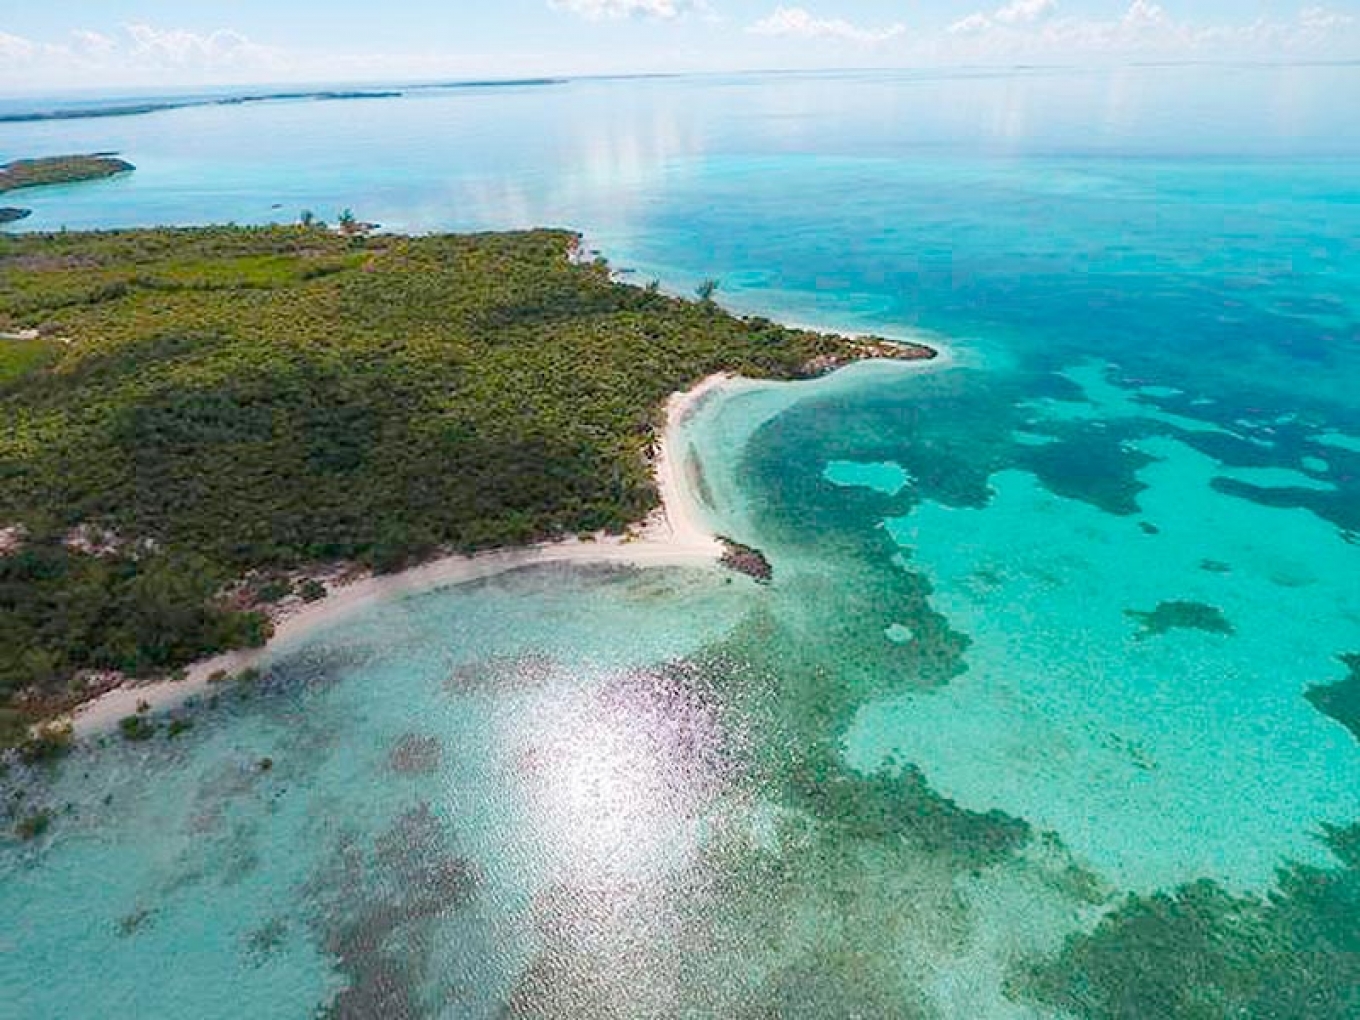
[(1045, 713)]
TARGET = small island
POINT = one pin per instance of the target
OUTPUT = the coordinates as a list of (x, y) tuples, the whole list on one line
[(214, 423), (32, 173), (36, 173)]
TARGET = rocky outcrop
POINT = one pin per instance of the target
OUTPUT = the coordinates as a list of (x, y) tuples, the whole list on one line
[(745, 559), (869, 348)]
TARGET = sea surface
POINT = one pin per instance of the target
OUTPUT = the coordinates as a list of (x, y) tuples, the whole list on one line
[(1045, 712)]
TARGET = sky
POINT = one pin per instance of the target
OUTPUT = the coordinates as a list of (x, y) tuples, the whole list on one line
[(51, 45)]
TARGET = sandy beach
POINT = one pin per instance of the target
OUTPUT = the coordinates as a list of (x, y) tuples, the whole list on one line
[(673, 535)]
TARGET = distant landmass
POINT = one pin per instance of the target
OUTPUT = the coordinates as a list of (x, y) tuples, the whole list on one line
[(133, 109)]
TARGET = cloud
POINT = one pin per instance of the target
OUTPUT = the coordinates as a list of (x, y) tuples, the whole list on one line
[(93, 43), (1033, 29), (177, 47), (615, 10), (973, 24), (1023, 12), (1320, 19), (796, 22), (138, 53), (1145, 14), (1018, 12), (14, 47)]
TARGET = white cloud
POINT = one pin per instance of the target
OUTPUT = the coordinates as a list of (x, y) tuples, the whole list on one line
[(93, 43), (1320, 19), (796, 22), (1023, 12), (139, 53), (14, 47), (1018, 12), (179, 47), (974, 24), (1032, 28), (1145, 14), (614, 10)]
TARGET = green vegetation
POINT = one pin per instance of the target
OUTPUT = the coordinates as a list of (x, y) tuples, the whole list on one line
[(136, 728), (1201, 952), (21, 355), (311, 590), (238, 399), (32, 173), (1181, 615), (47, 744), (275, 589), (63, 611), (177, 726), (33, 825)]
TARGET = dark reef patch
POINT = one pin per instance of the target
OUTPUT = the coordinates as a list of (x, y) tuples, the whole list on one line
[(1181, 615), (501, 673), (1091, 462), (1341, 507), (888, 805), (415, 754), (1201, 952), (376, 911), (265, 942), (1341, 700)]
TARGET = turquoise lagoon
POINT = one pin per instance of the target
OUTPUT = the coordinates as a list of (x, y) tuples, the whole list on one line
[(1044, 713)]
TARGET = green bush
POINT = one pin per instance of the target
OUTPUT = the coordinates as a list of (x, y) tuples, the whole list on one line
[(33, 825), (137, 728)]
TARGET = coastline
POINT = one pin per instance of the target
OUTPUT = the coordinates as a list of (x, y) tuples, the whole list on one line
[(673, 535)]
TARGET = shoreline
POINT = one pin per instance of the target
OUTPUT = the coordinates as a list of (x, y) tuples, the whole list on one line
[(673, 535)]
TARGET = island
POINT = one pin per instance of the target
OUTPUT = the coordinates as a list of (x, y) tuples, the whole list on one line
[(34, 173), (212, 423), (103, 109)]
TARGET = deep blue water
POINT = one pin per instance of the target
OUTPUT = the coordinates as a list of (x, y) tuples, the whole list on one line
[(1083, 575)]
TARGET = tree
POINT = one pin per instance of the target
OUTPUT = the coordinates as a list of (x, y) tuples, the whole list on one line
[(308, 218), (347, 223), (706, 290)]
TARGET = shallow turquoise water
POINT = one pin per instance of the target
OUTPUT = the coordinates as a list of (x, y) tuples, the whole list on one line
[(1043, 618)]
